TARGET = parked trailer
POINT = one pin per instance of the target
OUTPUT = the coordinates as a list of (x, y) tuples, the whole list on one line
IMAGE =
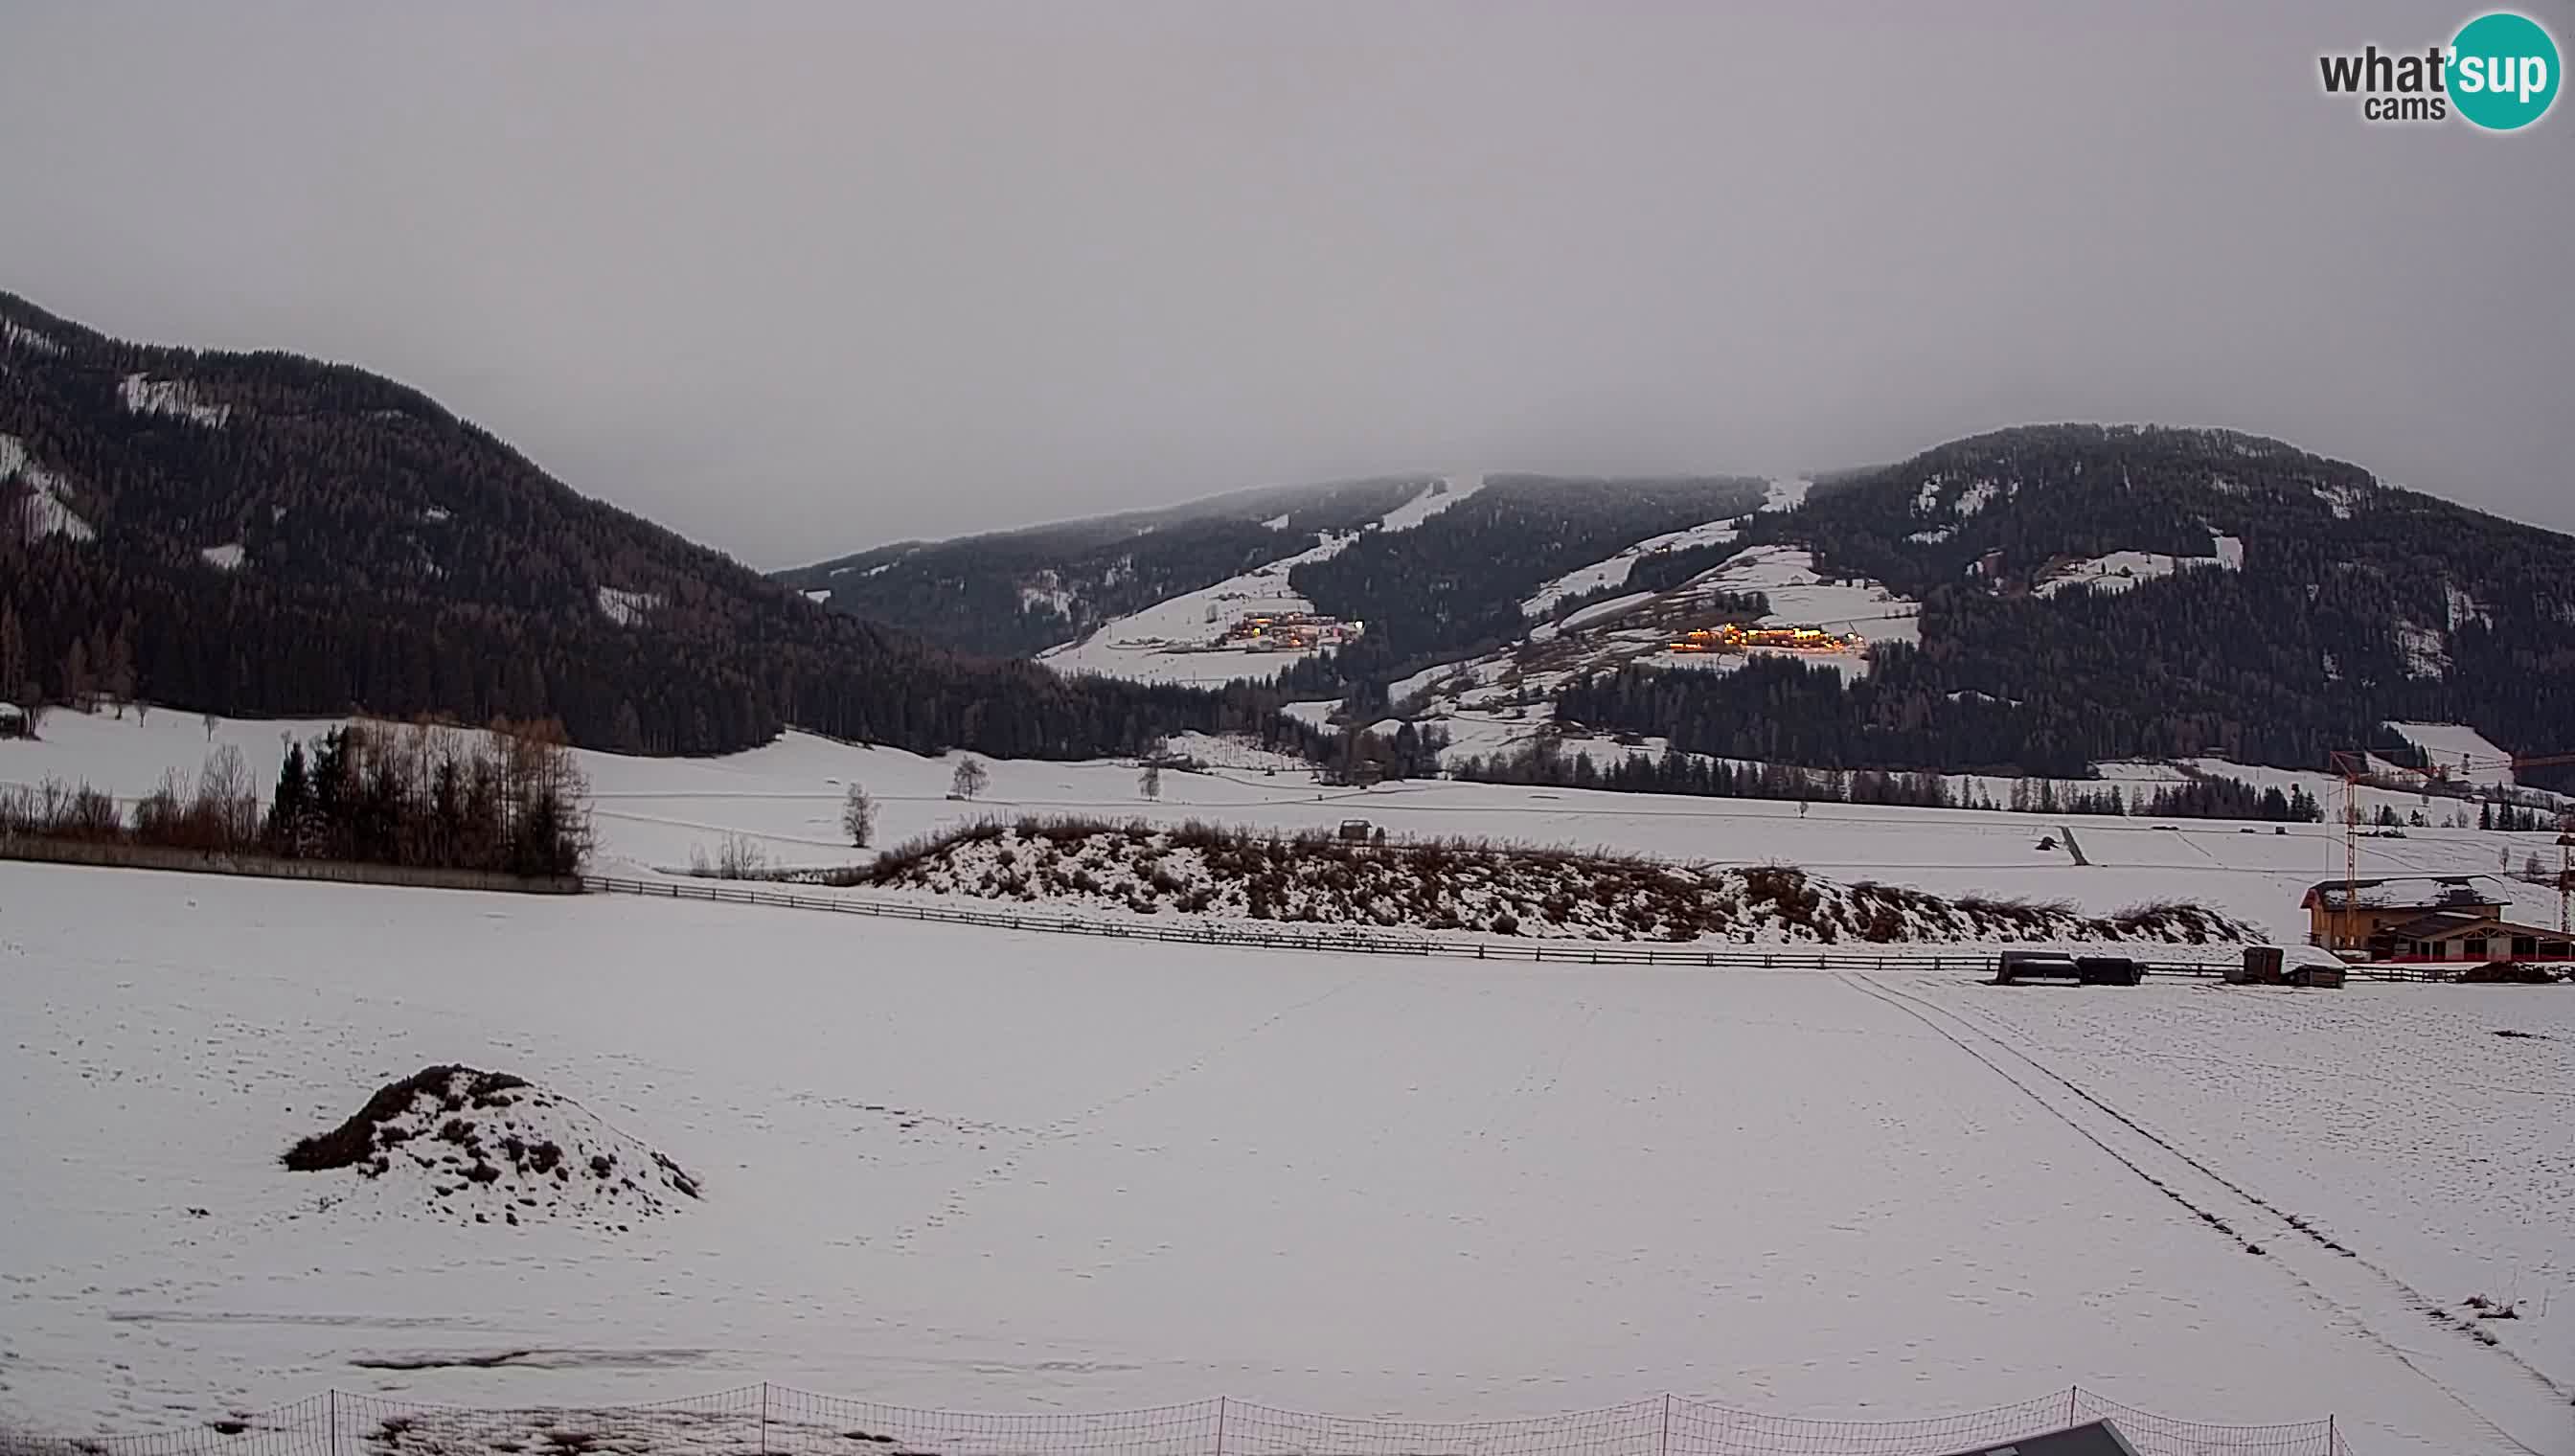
[(2013, 966), (2110, 970)]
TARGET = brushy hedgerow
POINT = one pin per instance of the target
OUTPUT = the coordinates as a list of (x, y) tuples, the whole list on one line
[(1316, 877)]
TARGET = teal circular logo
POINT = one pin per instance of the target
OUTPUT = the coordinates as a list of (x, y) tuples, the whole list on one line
[(2503, 71)]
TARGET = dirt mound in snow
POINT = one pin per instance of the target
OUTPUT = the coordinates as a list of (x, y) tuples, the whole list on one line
[(1316, 879), (487, 1147)]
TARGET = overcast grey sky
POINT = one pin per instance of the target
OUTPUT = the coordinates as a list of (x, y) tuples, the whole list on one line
[(800, 279)]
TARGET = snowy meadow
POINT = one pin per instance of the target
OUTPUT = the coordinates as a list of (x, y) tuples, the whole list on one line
[(971, 1169)]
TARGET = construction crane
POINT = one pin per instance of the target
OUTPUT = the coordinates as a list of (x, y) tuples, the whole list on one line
[(2356, 766)]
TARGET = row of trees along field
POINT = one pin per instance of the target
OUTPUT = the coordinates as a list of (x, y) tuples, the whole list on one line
[(1547, 762), (508, 799)]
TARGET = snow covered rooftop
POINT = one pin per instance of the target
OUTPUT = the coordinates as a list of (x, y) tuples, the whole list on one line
[(2410, 891)]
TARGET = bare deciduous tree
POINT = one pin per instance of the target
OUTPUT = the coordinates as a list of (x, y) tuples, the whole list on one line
[(739, 856), (1149, 782), (859, 816), (970, 778)]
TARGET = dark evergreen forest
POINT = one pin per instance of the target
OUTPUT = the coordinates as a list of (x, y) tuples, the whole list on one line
[(2357, 604), (398, 560)]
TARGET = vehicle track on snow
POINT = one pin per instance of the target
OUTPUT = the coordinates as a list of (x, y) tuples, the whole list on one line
[(2361, 1293)]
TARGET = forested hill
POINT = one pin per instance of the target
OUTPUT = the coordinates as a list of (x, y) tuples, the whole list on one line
[(1431, 572), (2095, 592), (1021, 591), (1452, 585), (266, 534)]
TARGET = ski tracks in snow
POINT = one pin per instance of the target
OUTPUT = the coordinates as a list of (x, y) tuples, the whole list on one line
[(2507, 1395)]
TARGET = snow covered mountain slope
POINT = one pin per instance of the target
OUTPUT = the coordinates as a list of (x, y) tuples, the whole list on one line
[(1587, 581), (1466, 561), (1497, 701), (1202, 636), (2096, 593), (1018, 592)]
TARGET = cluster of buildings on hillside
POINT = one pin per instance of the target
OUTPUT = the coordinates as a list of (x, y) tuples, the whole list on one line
[(1733, 637), (1290, 632)]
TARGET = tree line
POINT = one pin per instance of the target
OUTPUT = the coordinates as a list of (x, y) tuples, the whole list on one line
[(509, 798), (1545, 760)]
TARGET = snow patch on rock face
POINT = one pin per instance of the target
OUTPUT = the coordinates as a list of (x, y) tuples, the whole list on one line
[(458, 1145), (625, 608), (225, 558), (145, 396), (2425, 651), (1976, 497), (435, 514), (818, 595), (14, 335), (2465, 609), (1932, 537), (1049, 595), (45, 511), (2343, 501)]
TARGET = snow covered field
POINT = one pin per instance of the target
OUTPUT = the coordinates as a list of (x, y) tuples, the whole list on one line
[(651, 813), (970, 1170)]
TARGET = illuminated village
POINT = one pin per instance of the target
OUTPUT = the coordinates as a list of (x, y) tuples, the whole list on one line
[(1290, 632), (1733, 637)]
